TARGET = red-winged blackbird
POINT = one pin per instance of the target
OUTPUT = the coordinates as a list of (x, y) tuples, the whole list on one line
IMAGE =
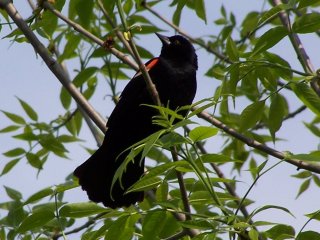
[(174, 75)]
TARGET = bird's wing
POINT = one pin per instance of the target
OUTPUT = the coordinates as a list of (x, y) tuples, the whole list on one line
[(133, 95)]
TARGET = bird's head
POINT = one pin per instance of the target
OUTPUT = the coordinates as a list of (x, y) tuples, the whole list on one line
[(178, 49)]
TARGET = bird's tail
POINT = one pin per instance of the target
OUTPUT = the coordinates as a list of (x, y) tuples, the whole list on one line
[(96, 175)]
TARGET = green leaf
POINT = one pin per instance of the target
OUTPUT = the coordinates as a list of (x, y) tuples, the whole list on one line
[(27, 136), (304, 186), (65, 98), (94, 235), (253, 234), (232, 50), (66, 186), (73, 42), (307, 96), (307, 23), (251, 115), (145, 184), (171, 226), (126, 224), (312, 157), (14, 117), (216, 158), (78, 121), (68, 138), (151, 140), (29, 110), (257, 169), (177, 13), (39, 195), (200, 9), (217, 71), (158, 170), (269, 39), (49, 142), (197, 224), (34, 160), (84, 75), (48, 22), (278, 230), (263, 223), (313, 128), (314, 215), (241, 225), (250, 22), (9, 166), (79, 210), (128, 6), (158, 155), (308, 235), (282, 68), (316, 180), (302, 175), (162, 192), (153, 224), (36, 220), (202, 132), (266, 207), (2, 231), (268, 15), (14, 152), (306, 3), (12, 193), (10, 128), (172, 139), (16, 214), (85, 12), (277, 112)]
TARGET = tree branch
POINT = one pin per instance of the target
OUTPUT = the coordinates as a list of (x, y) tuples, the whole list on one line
[(257, 145), (118, 54), (52, 64), (124, 58), (299, 48), (150, 85), (289, 116), (114, 26)]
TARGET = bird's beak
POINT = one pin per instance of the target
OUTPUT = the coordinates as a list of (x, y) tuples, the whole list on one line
[(164, 39)]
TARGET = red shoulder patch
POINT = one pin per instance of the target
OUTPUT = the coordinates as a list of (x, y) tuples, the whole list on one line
[(150, 64)]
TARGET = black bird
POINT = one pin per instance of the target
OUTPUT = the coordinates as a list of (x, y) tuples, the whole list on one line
[(174, 75)]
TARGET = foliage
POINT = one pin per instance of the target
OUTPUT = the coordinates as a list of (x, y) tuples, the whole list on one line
[(206, 205)]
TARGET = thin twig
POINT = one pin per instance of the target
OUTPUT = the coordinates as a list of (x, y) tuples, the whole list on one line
[(220, 174), (299, 48), (32, 5), (52, 64), (114, 26), (82, 227), (192, 39), (182, 186), (123, 57), (149, 83), (88, 120), (257, 145), (289, 116)]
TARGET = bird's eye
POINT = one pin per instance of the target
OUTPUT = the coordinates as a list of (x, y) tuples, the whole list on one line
[(176, 42)]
